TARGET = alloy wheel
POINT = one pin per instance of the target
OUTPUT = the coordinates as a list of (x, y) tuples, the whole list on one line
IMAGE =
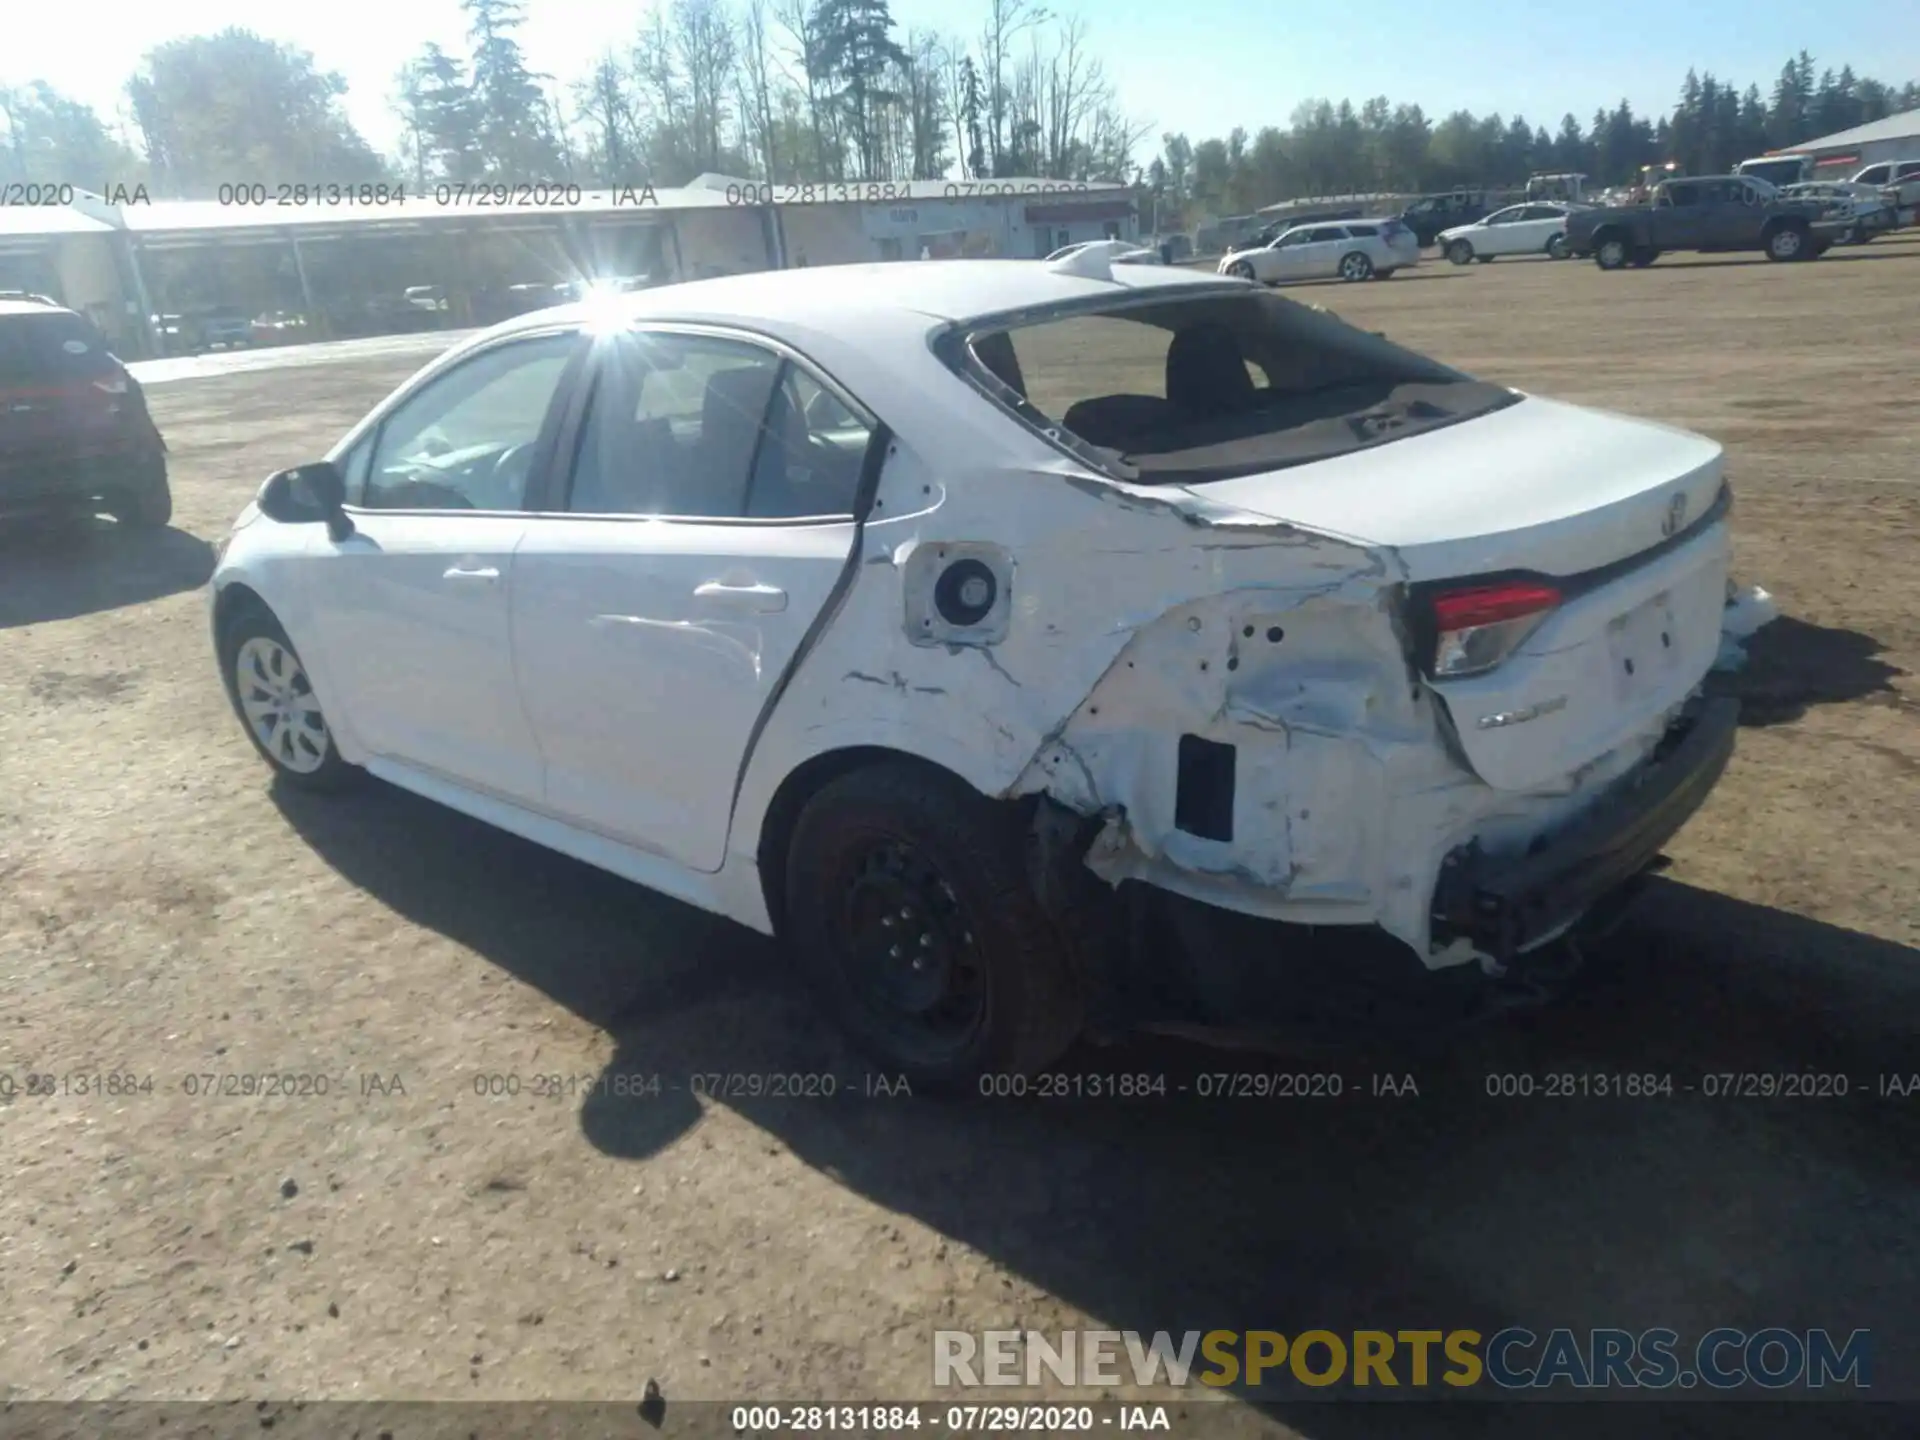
[(279, 704)]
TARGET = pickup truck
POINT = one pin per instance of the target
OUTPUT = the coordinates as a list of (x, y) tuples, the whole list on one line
[(1707, 212)]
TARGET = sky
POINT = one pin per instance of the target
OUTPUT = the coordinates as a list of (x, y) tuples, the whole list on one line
[(1201, 69)]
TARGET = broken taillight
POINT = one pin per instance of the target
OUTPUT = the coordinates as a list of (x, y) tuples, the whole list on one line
[(1475, 629)]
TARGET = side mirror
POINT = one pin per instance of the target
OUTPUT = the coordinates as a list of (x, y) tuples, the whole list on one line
[(308, 495)]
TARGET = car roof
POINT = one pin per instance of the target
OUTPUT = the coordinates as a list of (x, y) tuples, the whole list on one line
[(31, 307), (848, 299)]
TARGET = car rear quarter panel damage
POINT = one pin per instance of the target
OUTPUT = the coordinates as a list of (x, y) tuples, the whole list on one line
[(1133, 618)]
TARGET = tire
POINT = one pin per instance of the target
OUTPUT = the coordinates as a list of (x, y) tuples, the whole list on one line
[(302, 754), (1788, 243), (1611, 252), (900, 841), (1240, 270), (1460, 252), (147, 504), (1355, 266), (1557, 248)]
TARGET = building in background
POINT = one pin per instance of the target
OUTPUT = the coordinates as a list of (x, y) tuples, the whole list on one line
[(1895, 137), (142, 271)]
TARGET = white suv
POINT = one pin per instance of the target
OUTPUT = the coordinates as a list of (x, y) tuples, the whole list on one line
[(1346, 250)]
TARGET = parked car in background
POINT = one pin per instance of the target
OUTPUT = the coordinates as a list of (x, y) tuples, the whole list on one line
[(1708, 213), (1532, 229), (1902, 177), (75, 435), (1430, 214), (1864, 211), (279, 327), (223, 329), (1392, 650), (1777, 170), (1353, 250)]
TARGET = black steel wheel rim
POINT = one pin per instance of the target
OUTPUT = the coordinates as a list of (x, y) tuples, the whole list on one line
[(910, 956)]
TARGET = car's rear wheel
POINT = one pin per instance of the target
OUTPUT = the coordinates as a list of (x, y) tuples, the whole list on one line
[(910, 908), (1611, 252), (1788, 242), (146, 504), (273, 696), (1355, 267), (1460, 252)]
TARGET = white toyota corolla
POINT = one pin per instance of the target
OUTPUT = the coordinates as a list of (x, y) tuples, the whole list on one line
[(1033, 647)]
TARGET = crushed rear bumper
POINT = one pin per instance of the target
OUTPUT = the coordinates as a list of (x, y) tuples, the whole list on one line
[(1503, 905)]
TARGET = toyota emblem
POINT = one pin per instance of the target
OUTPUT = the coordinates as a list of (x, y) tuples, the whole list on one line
[(1676, 514)]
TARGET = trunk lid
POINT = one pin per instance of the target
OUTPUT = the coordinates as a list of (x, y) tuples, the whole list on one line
[(1623, 516)]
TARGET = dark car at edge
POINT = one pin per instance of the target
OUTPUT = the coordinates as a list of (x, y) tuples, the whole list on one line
[(75, 434)]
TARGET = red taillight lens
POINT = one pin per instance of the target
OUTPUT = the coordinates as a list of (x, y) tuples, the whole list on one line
[(1478, 627)]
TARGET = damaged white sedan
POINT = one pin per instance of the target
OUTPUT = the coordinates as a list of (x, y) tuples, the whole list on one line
[(1033, 647)]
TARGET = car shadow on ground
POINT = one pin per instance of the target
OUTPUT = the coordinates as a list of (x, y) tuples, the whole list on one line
[(1474, 1197), (58, 573), (1723, 259), (1793, 665)]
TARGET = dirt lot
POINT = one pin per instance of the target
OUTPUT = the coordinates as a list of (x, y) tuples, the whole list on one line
[(165, 914)]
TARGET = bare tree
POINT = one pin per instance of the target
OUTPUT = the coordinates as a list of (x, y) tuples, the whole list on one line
[(925, 108), (605, 103), (757, 80), (1007, 20), (1072, 83), (662, 97), (708, 53), (954, 70), (801, 20)]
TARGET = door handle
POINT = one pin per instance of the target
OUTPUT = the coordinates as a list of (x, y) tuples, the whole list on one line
[(484, 574), (768, 599)]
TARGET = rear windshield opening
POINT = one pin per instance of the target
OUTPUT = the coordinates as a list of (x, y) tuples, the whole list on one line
[(1196, 389)]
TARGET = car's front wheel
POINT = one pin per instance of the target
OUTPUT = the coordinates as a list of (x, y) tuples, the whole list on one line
[(1789, 242), (909, 906), (1460, 252), (274, 698), (1240, 270)]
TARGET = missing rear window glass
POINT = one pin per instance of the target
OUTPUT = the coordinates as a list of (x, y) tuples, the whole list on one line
[(1191, 389)]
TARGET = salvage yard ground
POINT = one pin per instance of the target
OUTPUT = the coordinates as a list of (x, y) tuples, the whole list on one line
[(165, 914)]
